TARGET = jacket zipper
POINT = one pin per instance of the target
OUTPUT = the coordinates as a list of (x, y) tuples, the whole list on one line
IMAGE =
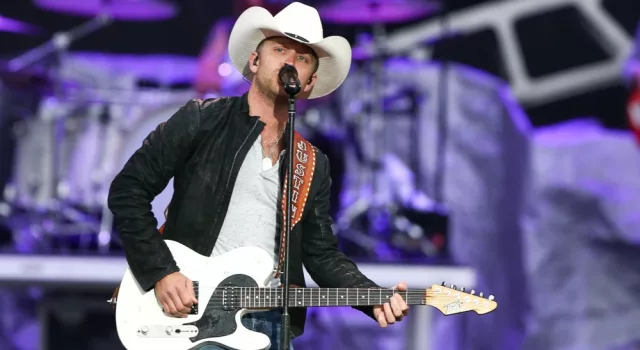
[(226, 200)]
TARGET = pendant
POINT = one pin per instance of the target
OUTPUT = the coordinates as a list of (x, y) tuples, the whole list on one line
[(266, 164)]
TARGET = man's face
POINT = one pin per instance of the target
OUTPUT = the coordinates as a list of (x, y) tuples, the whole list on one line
[(275, 53)]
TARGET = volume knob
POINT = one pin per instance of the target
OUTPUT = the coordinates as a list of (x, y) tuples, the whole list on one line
[(169, 330), (144, 330)]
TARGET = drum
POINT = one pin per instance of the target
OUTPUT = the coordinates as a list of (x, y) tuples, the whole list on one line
[(69, 152), (130, 96)]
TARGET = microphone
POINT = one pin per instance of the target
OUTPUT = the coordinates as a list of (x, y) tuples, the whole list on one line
[(288, 76)]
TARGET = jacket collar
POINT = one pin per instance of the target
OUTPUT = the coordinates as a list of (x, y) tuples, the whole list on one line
[(244, 103), (244, 112)]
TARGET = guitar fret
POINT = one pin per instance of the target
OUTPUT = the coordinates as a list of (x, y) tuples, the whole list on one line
[(256, 297)]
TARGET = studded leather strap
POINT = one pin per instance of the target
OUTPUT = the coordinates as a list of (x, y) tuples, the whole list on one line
[(304, 165)]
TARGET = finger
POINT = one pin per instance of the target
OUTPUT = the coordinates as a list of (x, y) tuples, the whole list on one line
[(402, 286), (186, 298), (382, 321), (171, 308), (192, 293), (166, 309), (396, 308), (404, 307), (388, 314), (179, 310)]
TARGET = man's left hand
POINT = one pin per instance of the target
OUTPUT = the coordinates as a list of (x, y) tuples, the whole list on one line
[(394, 310)]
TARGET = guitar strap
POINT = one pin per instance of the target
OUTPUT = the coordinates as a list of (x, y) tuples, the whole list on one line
[(304, 166)]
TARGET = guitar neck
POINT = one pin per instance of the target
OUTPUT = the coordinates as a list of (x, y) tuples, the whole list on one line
[(306, 297)]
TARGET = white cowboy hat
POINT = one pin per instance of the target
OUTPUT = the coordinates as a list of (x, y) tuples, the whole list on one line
[(298, 22)]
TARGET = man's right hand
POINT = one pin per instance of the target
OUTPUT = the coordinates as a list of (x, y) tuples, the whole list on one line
[(175, 293)]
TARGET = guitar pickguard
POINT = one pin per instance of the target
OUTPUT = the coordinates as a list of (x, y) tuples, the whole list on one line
[(217, 319)]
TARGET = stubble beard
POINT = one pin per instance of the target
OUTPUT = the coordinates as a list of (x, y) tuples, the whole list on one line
[(265, 87)]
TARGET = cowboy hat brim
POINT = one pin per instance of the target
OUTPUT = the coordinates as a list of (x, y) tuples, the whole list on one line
[(257, 24)]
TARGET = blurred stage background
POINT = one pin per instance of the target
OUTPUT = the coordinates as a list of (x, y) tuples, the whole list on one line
[(483, 143)]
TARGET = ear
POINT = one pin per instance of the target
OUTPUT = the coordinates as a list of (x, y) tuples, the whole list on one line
[(252, 58), (309, 86)]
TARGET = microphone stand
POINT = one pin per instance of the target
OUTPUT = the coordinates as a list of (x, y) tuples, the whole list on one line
[(292, 88)]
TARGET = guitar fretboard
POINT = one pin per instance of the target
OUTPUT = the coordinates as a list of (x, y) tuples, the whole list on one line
[(305, 297)]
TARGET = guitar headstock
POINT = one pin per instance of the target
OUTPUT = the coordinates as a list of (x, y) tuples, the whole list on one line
[(451, 300)]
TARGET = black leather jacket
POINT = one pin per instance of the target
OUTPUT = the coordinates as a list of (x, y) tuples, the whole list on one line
[(202, 147)]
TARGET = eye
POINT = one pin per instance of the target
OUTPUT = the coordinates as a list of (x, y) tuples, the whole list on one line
[(279, 49), (302, 58)]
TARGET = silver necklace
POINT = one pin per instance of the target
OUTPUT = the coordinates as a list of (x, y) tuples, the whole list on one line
[(267, 162)]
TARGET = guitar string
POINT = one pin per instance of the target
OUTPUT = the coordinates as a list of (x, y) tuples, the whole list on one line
[(264, 298), (350, 291)]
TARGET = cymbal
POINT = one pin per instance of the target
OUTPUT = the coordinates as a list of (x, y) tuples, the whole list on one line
[(14, 26), (376, 11), (127, 10)]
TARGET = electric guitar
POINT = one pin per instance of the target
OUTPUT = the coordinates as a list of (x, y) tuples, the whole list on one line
[(232, 284)]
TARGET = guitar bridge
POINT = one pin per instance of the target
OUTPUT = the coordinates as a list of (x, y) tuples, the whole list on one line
[(196, 291)]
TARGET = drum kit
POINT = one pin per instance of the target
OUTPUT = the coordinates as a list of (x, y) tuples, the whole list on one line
[(377, 219), (90, 115), (93, 114)]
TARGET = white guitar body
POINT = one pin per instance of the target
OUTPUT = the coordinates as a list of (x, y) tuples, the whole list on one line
[(142, 325)]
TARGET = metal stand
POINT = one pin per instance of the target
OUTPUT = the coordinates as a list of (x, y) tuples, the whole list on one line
[(59, 42), (443, 99), (292, 90)]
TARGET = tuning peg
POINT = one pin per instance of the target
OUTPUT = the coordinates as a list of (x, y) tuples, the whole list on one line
[(443, 284), (472, 292), (492, 298), (481, 295), (453, 286), (462, 289)]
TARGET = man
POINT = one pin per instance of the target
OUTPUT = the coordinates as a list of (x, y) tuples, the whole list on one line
[(226, 157)]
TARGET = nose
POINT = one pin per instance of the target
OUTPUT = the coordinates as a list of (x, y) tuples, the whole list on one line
[(290, 59)]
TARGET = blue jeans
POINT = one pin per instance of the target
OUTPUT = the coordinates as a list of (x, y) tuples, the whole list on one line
[(266, 322)]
